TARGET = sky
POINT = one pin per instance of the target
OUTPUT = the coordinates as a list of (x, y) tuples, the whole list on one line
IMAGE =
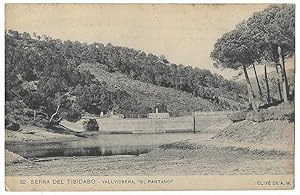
[(185, 34)]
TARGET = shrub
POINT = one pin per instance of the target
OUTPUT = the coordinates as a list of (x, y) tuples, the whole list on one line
[(291, 117), (73, 117), (238, 116), (90, 125), (271, 114), (11, 125)]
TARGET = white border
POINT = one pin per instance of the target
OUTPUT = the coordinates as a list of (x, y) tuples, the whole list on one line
[(2, 80)]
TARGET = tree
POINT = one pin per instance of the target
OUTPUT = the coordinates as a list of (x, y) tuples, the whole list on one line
[(273, 31), (266, 36), (257, 81), (235, 51), (67, 91), (34, 101), (267, 83), (282, 34)]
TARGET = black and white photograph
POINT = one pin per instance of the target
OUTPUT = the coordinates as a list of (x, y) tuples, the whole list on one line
[(121, 96)]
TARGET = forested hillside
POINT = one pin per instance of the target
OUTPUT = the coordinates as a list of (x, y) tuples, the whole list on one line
[(43, 75), (149, 95)]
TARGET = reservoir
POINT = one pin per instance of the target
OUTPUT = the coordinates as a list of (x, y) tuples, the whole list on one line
[(101, 145)]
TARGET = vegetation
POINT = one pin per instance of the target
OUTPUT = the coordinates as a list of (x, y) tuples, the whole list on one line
[(149, 96), (46, 82), (272, 114), (266, 37), (90, 125), (238, 116), (264, 115), (43, 73)]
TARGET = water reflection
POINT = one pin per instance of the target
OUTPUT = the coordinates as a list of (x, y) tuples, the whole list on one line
[(100, 145)]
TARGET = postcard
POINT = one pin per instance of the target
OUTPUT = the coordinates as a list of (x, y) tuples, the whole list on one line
[(149, 97)]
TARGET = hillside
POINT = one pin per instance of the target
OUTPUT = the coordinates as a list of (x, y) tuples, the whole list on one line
[(273, 85), (289, 66), (53, 79), (148, 94)]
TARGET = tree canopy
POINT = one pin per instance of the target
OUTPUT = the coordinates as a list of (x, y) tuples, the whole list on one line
[(268, 35)]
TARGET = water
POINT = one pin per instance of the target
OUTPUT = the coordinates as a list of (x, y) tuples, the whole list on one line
[(101, 145), (32, 151)]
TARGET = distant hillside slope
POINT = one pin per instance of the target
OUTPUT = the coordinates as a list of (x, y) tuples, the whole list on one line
[(272, 79), (150, 95), (273, 83), (289, 66)]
